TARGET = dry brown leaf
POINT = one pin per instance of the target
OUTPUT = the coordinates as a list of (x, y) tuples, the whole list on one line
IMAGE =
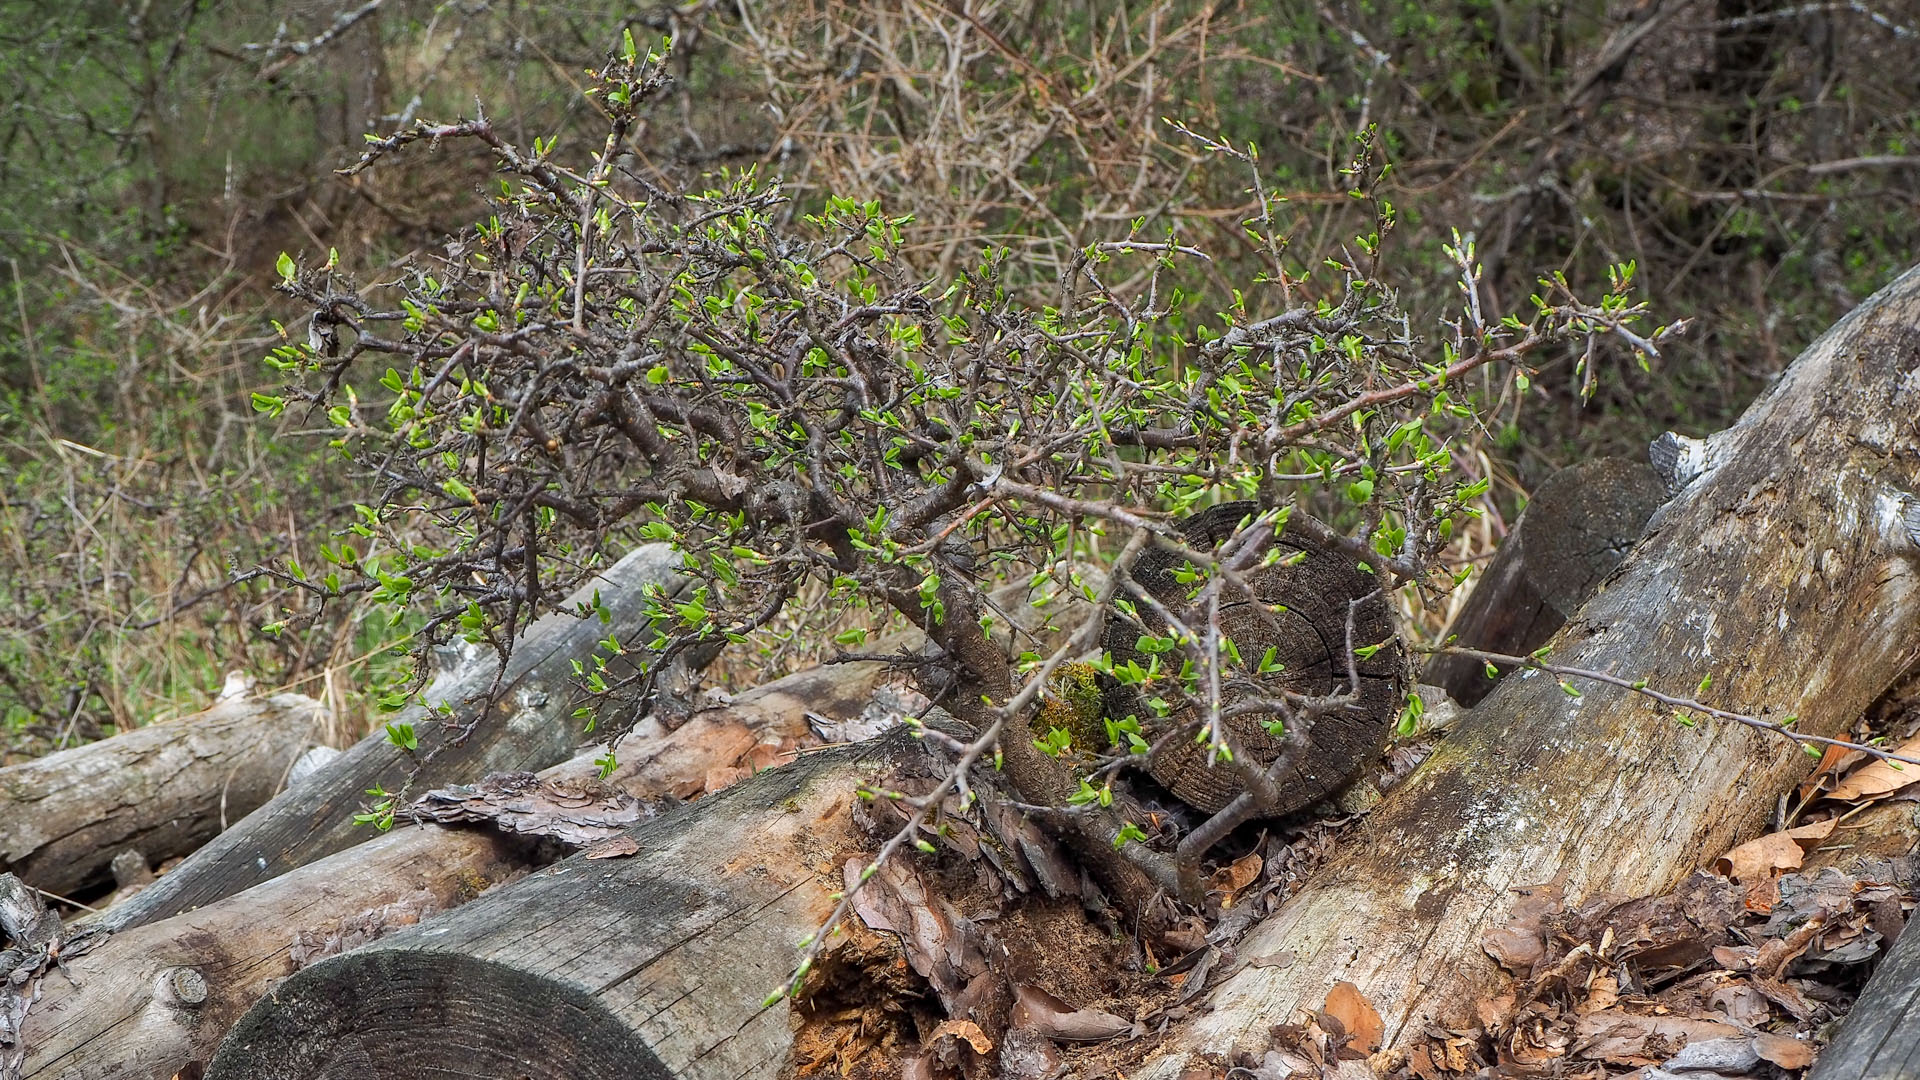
[(1492, 1012), (1785, 1052), (1786, 996), (613, 847), (965, 1030), (1772, 854), (1836, 760), (1881, 778), (1520, 942), (1625, 1039), (1602, 994), (1357, 1015), (1036, 1010), (940, 944), (1229, 880), (1516, 947), (1735, 957)]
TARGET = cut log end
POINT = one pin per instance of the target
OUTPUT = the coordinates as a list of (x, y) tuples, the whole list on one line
[(1298, 617), (1578, 526), (427, 1014)]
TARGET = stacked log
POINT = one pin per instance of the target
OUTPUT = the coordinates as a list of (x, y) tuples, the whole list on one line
[(521, 722), (687, 939), (158, 791), (1781, 579), (123, 1015)]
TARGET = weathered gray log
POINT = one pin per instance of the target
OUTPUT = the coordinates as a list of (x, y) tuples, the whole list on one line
[(122, 1022), (528, 729), (1579, 524), (162, 790), (153, 1001), (650, 966), (1786, 572), (1880, 1038)]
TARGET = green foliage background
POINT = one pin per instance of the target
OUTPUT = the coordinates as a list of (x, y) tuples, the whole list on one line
[(1754, 157)]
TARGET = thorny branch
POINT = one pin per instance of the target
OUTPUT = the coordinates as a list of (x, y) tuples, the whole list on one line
[(607, 360)]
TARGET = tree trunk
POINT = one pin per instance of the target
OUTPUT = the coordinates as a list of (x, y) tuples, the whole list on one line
[(119, 1018), (651, 966), (161, 790), (1784, 571), (529, 728), (1577, 527)]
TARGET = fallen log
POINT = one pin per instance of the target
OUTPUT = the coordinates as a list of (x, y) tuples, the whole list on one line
[(160, 791), (651, 966), (527, 727), (152, 1001), (1783, 569), (1579, 524), (120, 1020)]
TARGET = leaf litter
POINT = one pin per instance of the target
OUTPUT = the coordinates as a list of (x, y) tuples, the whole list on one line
[(1742, 975), (1021, 968)]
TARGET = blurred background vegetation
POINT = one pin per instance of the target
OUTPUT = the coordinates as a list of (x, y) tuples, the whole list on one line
[(1758, 159)]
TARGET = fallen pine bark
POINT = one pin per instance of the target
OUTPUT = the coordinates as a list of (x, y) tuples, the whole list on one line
[(161, 790), (1783, 570), (120, 1018), (529, 727), (651, 966)]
